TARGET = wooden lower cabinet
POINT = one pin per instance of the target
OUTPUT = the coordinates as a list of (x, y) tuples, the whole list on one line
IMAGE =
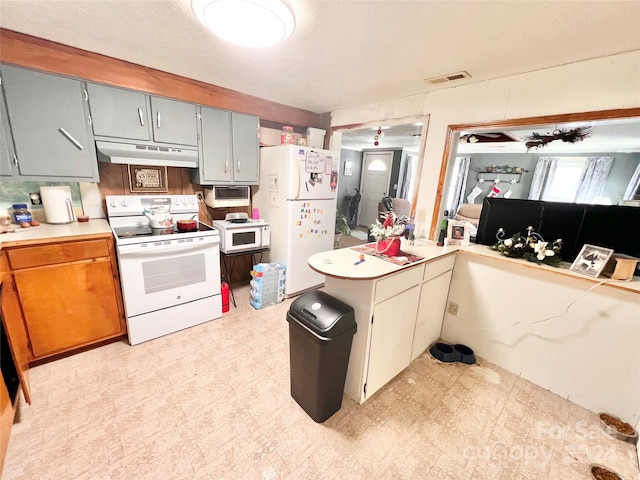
[(68, 306), (69, 293)]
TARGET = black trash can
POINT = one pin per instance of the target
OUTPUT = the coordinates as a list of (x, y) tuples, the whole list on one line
[(321, 329)]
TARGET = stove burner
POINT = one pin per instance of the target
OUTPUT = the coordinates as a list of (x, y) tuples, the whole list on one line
[(147, 231)]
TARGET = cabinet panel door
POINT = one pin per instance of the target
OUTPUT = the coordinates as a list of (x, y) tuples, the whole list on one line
[(118, 113), (49, 123), (246, 156), (13, 324), (216, 158), (174, 121), (6, 141), (391, 338), (68, 306), (433, 301)]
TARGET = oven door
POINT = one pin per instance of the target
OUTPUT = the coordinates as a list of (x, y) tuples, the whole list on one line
[(162, 274), (239, 239)]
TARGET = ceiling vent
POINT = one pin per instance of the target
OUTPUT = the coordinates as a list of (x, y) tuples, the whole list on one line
[(448, 78)]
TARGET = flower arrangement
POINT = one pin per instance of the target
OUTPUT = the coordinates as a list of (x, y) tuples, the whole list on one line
[(532, 247), (393, 226)]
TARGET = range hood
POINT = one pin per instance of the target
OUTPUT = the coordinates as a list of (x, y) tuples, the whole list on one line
[(147, 154)]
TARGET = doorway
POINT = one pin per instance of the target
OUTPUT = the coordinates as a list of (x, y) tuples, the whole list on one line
[(376, 174)]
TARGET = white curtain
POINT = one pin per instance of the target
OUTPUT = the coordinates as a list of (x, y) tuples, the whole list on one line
[(542, 175), (633, 188), (458, 184), (594, 178)]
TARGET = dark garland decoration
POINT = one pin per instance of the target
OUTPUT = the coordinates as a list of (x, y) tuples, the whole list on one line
[(569, 136)]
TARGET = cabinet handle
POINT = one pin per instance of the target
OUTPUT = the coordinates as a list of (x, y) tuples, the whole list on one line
[(15, 160), (226, 165), (89, 120), (71, 139), (140, 117), (238, 164), (86, 95), (158, 118)]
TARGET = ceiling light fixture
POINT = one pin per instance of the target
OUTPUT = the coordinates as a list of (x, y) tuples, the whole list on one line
[(250, 23)]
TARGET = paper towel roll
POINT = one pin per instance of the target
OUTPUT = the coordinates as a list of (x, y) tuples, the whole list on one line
[(57, 204)]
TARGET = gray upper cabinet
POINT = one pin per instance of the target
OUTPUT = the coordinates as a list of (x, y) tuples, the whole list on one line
[(174, 121), (119, 113), (229, 148), (6, 141), (49, 120), (246, 148)]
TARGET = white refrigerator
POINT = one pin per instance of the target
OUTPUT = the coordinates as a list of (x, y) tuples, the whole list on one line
[(298, 197)]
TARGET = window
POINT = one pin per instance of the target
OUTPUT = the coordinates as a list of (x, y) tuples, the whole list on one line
[(562, 184)]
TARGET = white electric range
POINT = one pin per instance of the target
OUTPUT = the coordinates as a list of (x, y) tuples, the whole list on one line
[(170, 279)]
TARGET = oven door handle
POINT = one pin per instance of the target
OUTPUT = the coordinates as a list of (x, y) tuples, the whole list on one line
[(135, 249)]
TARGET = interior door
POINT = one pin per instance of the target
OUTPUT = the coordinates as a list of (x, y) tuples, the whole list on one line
[(376, 174)]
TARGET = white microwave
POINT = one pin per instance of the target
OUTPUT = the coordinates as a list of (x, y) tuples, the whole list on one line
[(243, 237), (227, 196)]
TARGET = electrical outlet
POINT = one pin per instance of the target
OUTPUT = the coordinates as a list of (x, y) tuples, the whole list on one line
[(200, 196), (35, 199), (453, 308)]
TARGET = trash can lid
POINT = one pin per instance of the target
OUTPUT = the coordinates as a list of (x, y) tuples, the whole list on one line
[(323, 314)]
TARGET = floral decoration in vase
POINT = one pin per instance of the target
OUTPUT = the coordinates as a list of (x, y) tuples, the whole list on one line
[(387, 233), (532, 248)]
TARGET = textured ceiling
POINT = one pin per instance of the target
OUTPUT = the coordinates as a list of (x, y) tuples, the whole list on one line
[(342, 53)]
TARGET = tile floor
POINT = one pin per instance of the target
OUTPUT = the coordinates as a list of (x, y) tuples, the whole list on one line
[(213, 402)]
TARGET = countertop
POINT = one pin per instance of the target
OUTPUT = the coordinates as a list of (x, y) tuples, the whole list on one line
[(47, 232), (343, 263)]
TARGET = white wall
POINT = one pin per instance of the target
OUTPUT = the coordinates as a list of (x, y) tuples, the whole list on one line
[(599, 84), (588, 354)]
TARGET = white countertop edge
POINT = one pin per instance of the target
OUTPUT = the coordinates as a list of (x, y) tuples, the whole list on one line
[(341, 263)]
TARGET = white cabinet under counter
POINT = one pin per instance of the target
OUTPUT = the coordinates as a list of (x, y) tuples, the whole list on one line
[(398, 309)]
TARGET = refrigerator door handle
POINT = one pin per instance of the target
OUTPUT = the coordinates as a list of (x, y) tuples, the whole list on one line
[(296, 175)]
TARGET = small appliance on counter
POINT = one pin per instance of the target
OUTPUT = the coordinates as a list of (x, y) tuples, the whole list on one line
[(238, 233), (57, 204)]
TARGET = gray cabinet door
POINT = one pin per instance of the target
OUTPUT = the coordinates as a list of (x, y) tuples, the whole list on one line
[(6, 141), (216, 162), (174, 121), (118, 113), (49, 122), (246, 155)]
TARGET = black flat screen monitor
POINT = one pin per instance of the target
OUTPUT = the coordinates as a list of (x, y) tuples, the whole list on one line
[(609, 226), (513, 215)]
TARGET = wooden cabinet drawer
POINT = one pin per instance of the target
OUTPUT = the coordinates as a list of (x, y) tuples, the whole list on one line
[(399, 282), (433, 269), (38, 256)]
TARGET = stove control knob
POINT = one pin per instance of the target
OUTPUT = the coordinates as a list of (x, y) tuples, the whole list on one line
[(113, 203), (192, 200), (124, 203), (176, 201), (184, 201)]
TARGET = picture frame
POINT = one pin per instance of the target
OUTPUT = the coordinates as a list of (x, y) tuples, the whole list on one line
[(591, 260), (148, 179), (458, 232), (348, 168)]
